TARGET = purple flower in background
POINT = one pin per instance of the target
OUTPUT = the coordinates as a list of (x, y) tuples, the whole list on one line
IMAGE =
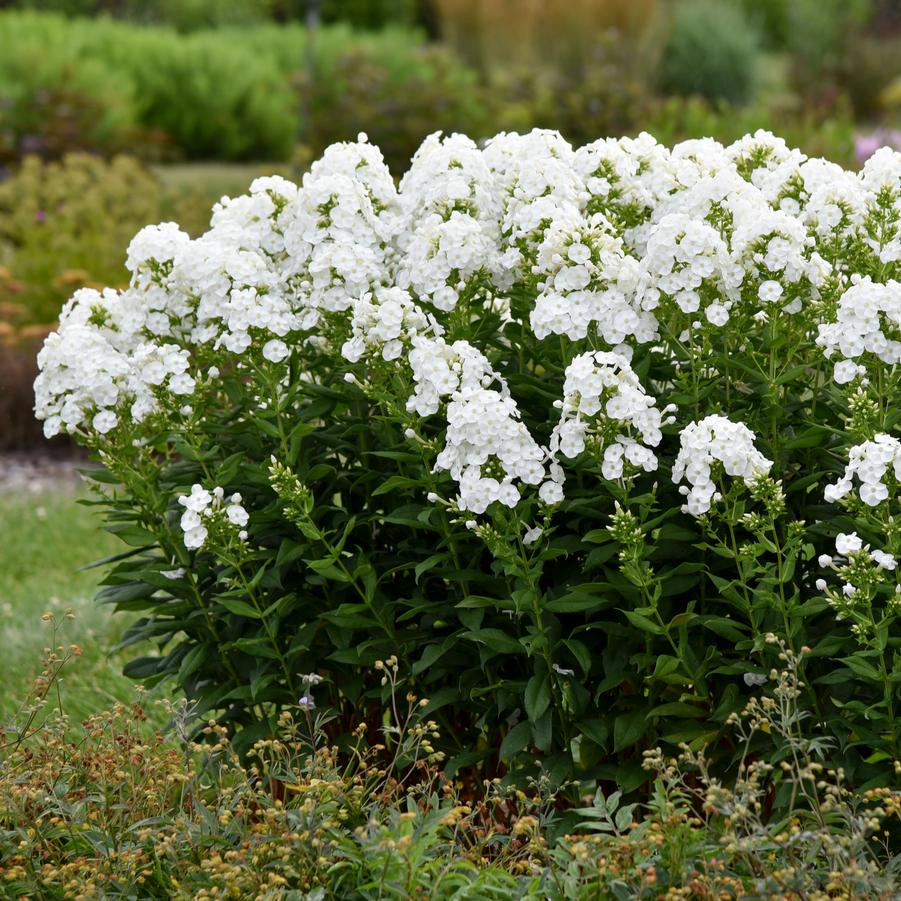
[(865, 145), (40, 216)]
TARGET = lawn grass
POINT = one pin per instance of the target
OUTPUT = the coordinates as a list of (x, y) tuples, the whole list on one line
[(189, 190), (45, 538), (215, 179)]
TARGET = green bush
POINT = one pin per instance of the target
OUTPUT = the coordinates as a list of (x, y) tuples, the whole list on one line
[(866, 68), (819, 134), (193, 15), (215, 98), (711, 51), (68, 223), (397, 109), (818, 34), (368, 14), (42, 67), (602, 94), (408, 360), (228, 94)]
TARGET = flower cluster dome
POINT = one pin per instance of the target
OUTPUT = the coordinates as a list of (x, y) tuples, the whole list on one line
[(619, 245), (715, 440)]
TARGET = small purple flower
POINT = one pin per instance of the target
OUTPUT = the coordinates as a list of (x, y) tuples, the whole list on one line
[(40, 216), (865, 145), (306, 702)]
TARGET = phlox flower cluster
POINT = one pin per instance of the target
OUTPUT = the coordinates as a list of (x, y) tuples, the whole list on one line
[(621, 244), (869, 463), (626, 180), (452, 222), (861, 571), (868, 320), (687, 261), (604, 400), (587, 280), (385, 322), (206, 510), (488, 448), (715, 440), (94, 369)]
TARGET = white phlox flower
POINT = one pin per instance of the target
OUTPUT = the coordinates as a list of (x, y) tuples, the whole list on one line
[(869, 463), (384, 323), (604, 401), (868, 319), (206, 510), (704, 444)]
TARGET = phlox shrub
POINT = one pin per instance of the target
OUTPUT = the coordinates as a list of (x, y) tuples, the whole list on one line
[(568, 432)]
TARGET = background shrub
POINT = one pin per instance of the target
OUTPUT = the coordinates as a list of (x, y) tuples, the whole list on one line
[(228, 94), (817, 133), (213, 96), (360, 93), (55, 90), (711, 51), (867, 67), (601, 94), (367, 14), (553, 34), (67, 223), (817, 36)]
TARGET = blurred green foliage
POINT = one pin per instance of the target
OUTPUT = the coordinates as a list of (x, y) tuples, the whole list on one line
[(228, 94), (395, 109), (192, 15), (207, 93), (867, 67), (711, 52), (66, 224), (817, 134), (366, 13), (599, 97), (241, 93), (40, 63)]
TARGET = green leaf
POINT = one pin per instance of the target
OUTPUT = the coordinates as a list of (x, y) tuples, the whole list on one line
[(429, 563), (392, 483), (725, 627), (327, 569), (643, 623), (144, 667), (860, 667), (431, 655), (580, 652), (113, 558), (537, 697), (496, 640), (628, 729), (134, 535), (351, 616), (543, 731), (128, 591), (255, 647), (239, 607), (515, 740), (595, 729), (577, 602), (677, 708)]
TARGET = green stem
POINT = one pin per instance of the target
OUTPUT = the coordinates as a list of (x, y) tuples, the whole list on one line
[(538, 619), (236, 565)]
